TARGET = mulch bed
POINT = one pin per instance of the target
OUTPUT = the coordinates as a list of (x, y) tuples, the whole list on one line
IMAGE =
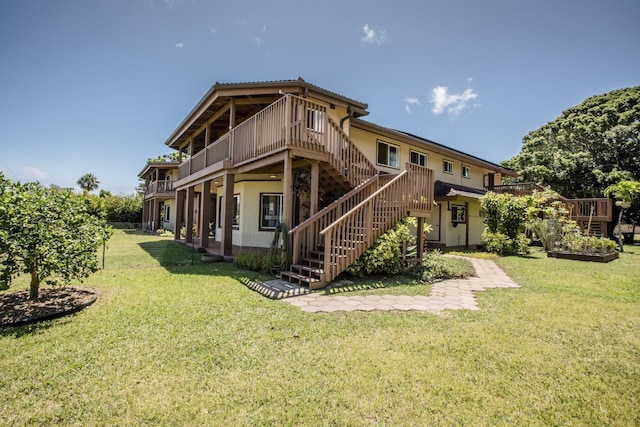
[(16, 309)]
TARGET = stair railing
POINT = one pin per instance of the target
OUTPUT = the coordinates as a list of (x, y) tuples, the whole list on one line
[(305, 235), (354, 232)]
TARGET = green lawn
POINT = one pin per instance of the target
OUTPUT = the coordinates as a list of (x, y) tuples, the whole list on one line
[(173, 344)]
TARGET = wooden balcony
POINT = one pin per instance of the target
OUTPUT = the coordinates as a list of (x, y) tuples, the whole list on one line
[(519, 189), (290, 123), (159, 188), (599, 210)]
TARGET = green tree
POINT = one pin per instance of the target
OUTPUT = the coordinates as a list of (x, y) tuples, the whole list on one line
[(47, 234), (625, 192), (589, 147), (506, 218), (88, 182), (173, 157)]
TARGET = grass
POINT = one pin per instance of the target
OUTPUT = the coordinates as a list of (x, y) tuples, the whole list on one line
[(173, 344)]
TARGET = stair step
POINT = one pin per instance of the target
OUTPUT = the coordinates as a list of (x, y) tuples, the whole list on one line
[(299, 278), (313, 261), (301, 269)]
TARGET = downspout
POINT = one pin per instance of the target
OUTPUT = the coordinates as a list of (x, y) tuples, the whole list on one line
[(344, 119)]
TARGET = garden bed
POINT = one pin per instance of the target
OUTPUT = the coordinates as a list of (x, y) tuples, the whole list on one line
[(606, 257)]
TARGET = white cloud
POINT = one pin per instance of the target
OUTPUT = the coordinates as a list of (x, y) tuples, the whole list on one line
[(33, 172), (213, 30), (180, 45), (410, 101), (453, 103), (372, 35), (258, 40)]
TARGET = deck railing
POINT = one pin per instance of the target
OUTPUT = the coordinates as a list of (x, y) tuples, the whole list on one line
[(159, 187), (595, 209), (354, 232), (519, 189)]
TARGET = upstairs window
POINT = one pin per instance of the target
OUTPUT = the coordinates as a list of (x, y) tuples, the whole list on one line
[(418, 158), (447, 166), (388, 155), (466, 172), (315, 120)]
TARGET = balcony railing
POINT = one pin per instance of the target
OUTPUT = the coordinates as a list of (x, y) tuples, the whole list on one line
[(159, 187), (290, 122), (594, 209)]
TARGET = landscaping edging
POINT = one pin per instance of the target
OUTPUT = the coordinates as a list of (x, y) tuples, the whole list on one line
[(584, 257), (17, 310)]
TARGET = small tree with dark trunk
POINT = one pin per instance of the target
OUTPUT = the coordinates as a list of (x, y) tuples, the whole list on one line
[(624, 192), (47, 234)]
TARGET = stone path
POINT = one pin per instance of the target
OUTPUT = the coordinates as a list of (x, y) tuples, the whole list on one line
[(457, 294)]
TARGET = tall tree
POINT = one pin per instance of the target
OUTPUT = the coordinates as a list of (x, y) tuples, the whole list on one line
[(88, 182), (47, 234), (586, 149)]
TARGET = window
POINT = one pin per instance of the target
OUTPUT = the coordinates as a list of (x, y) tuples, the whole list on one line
[(235, 219), (388, 155), (417, 158), (270, 210), (315, 120), (447, 166), (167, 213), (466, 172), (458, 214)]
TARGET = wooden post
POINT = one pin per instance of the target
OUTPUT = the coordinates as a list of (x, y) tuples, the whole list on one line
[(227, 214), (205, 213), (189, 223), (466, 225), (287, 120), (179, 213), (287, 191), (232, 113), (315, 177), (156, 214), (420, 240)]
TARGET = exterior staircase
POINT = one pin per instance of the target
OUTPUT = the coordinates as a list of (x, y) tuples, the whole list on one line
[(329, 241)]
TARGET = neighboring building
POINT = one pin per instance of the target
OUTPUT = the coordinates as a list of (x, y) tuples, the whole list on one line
[(158, 210), (260, 154)]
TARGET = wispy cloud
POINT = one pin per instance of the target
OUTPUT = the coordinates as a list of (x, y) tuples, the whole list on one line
[(452, 103), (180, 45), (33, 172), (258, 41), (409, 102), (372, 35), (213, 30)]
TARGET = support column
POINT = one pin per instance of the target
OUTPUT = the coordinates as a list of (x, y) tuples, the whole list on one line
[(205, 213), (315, 177), (287, 191), (179, 213), (156, 214), (227, 214), (420, 239), (144, 215), (189, 223), (232, 113), (466, 225)]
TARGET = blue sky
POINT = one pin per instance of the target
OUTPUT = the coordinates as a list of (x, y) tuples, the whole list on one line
[(98, 86)]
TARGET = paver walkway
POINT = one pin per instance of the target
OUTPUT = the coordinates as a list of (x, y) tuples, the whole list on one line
[(457, 294)]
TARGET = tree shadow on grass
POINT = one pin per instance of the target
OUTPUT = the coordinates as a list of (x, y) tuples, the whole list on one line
[(170, 254)]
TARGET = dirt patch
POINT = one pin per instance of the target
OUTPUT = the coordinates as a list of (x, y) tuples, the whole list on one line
[(16, 309)]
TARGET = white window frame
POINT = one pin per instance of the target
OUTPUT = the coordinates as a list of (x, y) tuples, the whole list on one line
[(276, 211), (420, 155), (466, 171), (446, 169), (167, 213), (458, 214), (388, 154)]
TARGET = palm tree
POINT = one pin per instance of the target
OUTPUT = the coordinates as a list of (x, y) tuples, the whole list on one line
[(88, 182)]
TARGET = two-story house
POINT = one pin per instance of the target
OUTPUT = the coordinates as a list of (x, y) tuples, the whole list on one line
[(158, 209), (288, 152)]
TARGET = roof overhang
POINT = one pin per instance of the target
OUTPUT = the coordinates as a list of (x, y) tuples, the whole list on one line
[(446, 191), (216, 102), (157, 165)]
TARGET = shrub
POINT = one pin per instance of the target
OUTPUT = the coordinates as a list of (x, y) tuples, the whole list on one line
[(385, 256), (252, 261), (505, 218), (575, 242), (437, 267)]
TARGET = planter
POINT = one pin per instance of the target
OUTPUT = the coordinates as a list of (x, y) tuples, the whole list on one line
[(584, 256)]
